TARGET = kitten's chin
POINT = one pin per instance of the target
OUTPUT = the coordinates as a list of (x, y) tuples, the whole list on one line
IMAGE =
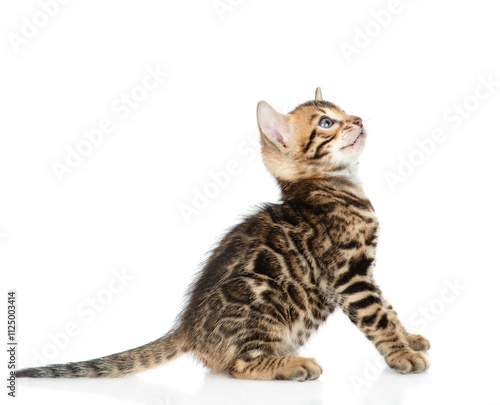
[(356, 146)]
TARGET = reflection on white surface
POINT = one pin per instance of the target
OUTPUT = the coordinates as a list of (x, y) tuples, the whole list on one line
[(457, 375), (215, 389)]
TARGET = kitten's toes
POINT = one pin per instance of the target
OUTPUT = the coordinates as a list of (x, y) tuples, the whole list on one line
[(409, 362), (418, 342), (309, 369)]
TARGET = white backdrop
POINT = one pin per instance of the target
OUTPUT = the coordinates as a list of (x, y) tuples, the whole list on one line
[(128, 147)]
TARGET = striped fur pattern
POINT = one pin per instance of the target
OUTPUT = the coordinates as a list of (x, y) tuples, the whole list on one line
[(276, 277)]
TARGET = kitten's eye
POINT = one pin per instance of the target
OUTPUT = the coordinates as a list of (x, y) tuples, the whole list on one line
[(325, 123)]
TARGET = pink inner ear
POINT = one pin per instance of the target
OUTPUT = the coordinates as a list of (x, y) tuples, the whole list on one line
[(272, 124), (279, 139)]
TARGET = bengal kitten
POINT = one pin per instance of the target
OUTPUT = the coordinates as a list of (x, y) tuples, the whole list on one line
[(275, 278)]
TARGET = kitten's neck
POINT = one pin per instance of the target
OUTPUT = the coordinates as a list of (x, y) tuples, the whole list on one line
[(321, 190)]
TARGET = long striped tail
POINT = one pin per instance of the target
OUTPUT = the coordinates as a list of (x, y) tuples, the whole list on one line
[(131, 361)]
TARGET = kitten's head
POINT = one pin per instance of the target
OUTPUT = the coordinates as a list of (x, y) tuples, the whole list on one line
[(315, 140)]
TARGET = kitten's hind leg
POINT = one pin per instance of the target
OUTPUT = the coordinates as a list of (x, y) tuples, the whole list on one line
[(276, 368)]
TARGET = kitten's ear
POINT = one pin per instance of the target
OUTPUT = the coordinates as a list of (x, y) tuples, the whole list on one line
[(273, 125), (318, 96)]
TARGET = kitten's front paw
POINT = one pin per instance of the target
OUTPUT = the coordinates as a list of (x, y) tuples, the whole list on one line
[(409, 362), (418, 342)]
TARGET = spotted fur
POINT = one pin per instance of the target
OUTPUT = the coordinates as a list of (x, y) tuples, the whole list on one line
[(276, 277)]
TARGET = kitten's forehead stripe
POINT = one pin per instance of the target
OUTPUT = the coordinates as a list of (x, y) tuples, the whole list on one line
[(313, 117), (319, 105)]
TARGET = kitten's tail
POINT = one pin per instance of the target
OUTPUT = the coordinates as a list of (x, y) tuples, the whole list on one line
[(116, 365)]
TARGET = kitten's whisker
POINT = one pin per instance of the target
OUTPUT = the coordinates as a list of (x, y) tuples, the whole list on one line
[(370, 117)]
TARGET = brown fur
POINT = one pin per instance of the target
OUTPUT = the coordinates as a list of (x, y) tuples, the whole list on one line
[(275, 278)]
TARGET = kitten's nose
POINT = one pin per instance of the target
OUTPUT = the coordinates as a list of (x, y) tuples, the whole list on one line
[(357, 121)]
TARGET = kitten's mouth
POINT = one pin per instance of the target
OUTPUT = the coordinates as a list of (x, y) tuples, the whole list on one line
[(361, 134)]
